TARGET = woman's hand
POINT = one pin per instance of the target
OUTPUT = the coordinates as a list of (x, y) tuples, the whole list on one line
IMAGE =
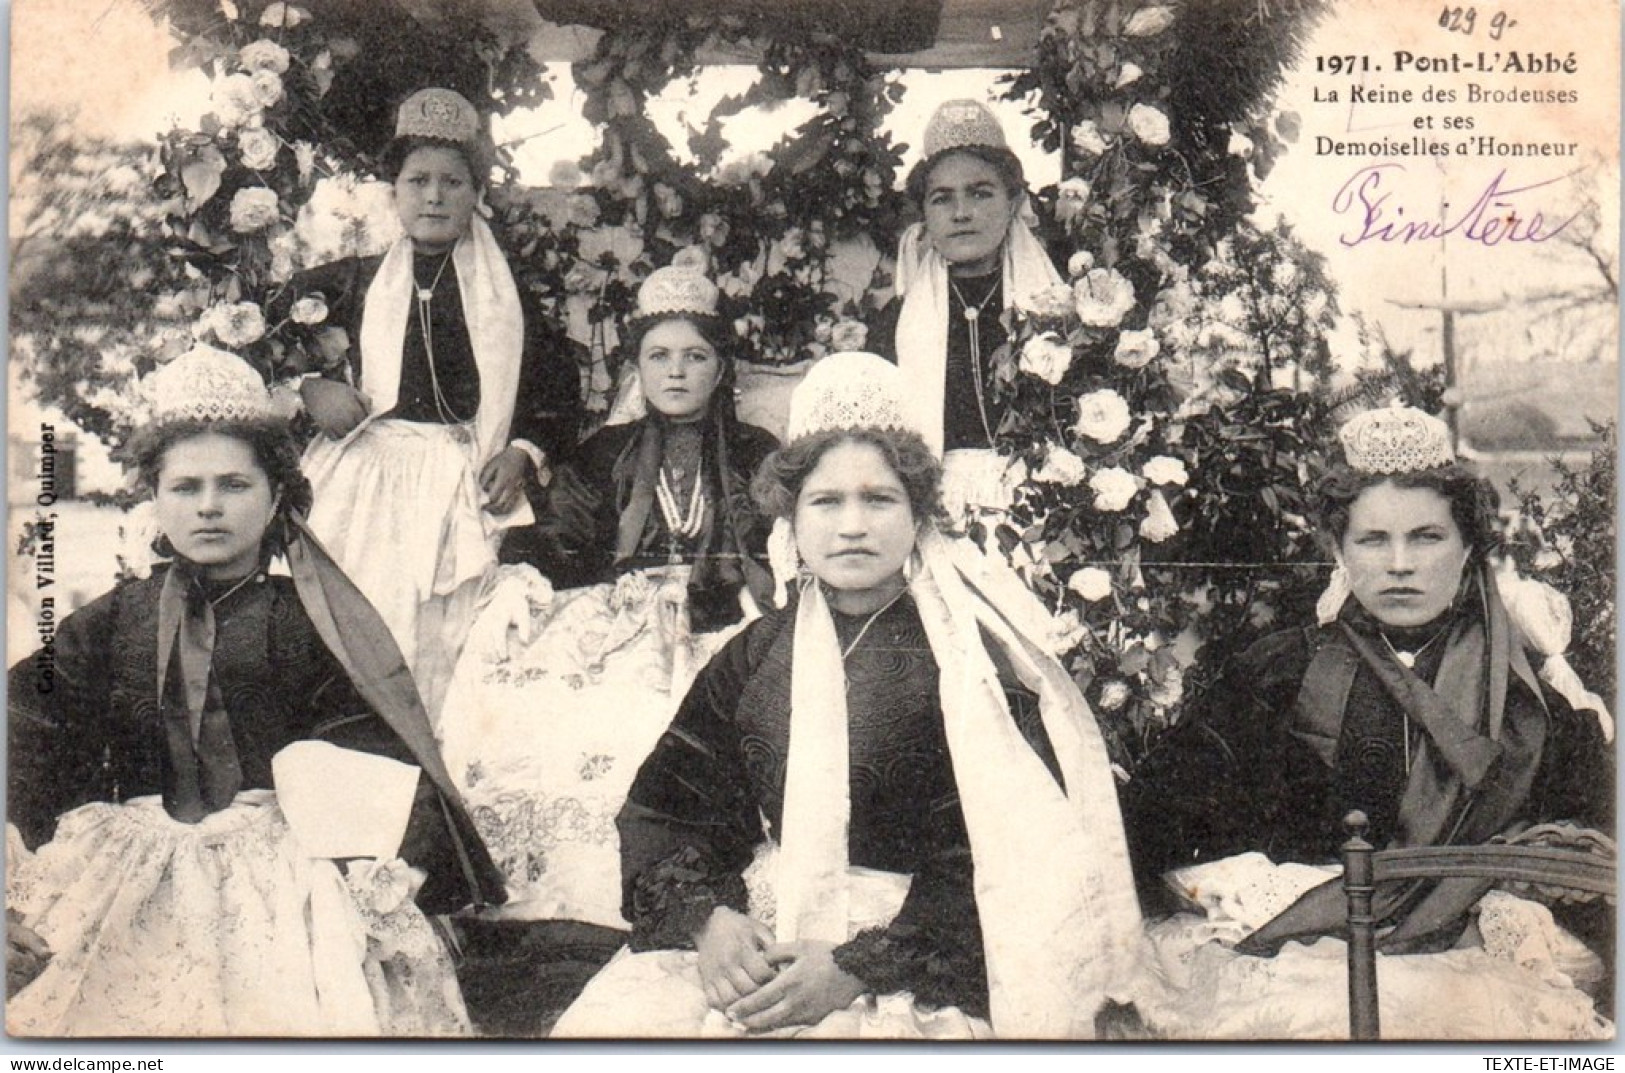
[(336, 408), (733, 962), (26, 954), (503, 479), (808, 988)]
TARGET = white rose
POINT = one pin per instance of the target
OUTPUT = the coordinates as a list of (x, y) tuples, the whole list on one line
[(1087, 139), (1072, 198), (1092, 583), (1167, 691), (1135, 349), (235, 102), (1165, 469), (1114, 487), (1148, 124), (1102, 298), (267, 88), (583, 210), (263, 55), (693, 258), (1061, 467), (308, 310), (1114, 693), (284, 15), (1077, 265), (1067, 631), (849, 334), (1129, 75), (253, 208), (1149, 21), (1052, 301), (1159, 523), (235, 324), (1102, 416), (1047, 357), (258, 148)]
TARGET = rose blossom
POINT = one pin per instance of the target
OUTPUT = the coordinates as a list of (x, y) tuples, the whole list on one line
[(1061, 467), (1148, 124), (1159, 523), (1149, 21), (1087, 140), (308, 310), (236, 324), (1047, 357), (1135, 349), (253, 208), (236, 104), (1052, 301), (1113, 488), (583, 210), (1129, 75), (1102, 416), (1102, 298), (1092, 583), (258, 148), (1078, 264), (849, 334), (1165, 469), (263, 55), (1066, 632), (1114, 693), (267, 88), (1071, 199), (284, 15)]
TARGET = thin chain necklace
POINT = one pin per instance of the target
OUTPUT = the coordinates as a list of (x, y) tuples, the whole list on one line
[(870, 621), (425, 295), (973, 315), (1408, 659)]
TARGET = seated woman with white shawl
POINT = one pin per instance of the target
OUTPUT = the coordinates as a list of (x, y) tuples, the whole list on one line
[(932, 850), (970, 258)]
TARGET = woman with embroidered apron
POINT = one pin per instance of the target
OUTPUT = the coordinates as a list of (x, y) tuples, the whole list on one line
[(882, 811), (455, 396), (970, 258), (645, 552), (238, 810), (1418, 702)]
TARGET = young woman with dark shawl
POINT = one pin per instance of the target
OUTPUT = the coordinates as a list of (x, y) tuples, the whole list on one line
[(1418, 702), (646, 550), (456, 396), (233, 792), (883, 811)]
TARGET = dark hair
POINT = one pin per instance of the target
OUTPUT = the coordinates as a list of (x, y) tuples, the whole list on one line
[(1473, 501), (778, 482), (395, 154), (1002, 160), (714, 330), (271, 442)]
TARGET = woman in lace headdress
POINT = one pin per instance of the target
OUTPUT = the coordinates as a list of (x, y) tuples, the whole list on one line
[(455, 396), (231, 787), (882, 810), (646, 549), (970, 258), (1431, 696)]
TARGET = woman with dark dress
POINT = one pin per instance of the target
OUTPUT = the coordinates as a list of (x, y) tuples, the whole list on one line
[(643, 558), (1415, 700), (457, 395), (970, 259), (932, 850), (238, 812)]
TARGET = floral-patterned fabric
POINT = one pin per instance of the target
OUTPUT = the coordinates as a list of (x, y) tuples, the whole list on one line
[(228, 928), (555, 703)]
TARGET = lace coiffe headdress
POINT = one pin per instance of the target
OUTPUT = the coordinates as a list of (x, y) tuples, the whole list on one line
[(1054, 891), (1396, 439)]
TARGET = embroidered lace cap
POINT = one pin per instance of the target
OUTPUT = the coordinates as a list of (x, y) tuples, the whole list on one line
[(677, 289), (853, 389), (441, 114), (1396, 439), (206, 384), (956, 124)]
